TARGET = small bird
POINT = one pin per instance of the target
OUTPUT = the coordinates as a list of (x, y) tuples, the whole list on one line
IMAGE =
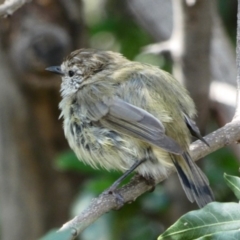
[(129, 116)]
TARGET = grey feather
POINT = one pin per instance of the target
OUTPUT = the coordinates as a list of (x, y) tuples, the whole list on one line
[(126, 118), (127, 112), (194, 130), (97, 110), (194, 182)]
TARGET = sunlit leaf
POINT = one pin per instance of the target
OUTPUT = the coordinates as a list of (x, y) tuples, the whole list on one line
[(213, 218), (227, 235), (234, 183)]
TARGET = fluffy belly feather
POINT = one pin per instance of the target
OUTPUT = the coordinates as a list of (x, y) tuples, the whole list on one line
[(101, 147)]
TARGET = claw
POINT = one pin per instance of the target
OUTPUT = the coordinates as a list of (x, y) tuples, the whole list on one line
[(150, 181), (118, 197)]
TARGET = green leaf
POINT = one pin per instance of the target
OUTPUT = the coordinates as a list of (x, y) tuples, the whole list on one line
[(54, 235), (227, 235), (234, 183), (213, 218)]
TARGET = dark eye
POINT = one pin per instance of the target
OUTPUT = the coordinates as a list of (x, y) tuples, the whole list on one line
[(71, 73)]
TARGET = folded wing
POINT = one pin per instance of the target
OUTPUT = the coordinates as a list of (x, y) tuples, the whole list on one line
[(133, 121)]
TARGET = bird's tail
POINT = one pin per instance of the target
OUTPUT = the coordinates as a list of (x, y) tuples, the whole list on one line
[(193, 180)]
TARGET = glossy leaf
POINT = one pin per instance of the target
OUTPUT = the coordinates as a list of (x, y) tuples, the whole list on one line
[(213, 218), (234, 183), (227, 235)]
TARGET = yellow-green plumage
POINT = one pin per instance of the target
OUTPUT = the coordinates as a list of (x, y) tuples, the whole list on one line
[(117, 112)]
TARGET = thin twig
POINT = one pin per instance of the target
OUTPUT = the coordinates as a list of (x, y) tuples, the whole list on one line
[(10, 6)]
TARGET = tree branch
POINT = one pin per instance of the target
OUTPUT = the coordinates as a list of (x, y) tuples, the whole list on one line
[(230, 133), (10, 6)]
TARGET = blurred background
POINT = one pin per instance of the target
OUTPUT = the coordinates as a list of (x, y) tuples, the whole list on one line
[(42, 184)]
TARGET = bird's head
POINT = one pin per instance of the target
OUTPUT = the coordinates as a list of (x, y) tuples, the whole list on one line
[(83, 67)]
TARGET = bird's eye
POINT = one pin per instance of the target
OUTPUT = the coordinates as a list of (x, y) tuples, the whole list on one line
[(71, 73)]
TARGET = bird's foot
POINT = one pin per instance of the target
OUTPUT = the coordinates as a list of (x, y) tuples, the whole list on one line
[(118, 197), (150, 181)]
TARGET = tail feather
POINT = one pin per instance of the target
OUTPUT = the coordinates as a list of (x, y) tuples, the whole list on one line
[(193, 180)]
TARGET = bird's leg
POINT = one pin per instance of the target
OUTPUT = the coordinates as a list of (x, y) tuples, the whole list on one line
[(150, 181), (112, 189), (125, 175)]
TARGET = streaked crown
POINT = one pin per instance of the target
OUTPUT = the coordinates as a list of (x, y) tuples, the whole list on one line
[(81, 65)]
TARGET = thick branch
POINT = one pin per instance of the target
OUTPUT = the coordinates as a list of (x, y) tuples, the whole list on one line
[(230, 133), (10, 6)]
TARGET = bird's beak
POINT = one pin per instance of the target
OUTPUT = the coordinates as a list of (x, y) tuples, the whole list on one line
[(55, 69)]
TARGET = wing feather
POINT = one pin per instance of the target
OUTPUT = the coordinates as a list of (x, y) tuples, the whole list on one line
[(133, 121), (194, 130)]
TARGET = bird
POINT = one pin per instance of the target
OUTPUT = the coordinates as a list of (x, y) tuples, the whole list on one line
[(131, 117)]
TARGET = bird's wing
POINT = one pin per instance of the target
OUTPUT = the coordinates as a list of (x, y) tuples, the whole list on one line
[(130, 120), (194, 130)]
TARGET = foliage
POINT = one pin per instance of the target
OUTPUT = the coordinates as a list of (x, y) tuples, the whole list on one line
[(214, 221)]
